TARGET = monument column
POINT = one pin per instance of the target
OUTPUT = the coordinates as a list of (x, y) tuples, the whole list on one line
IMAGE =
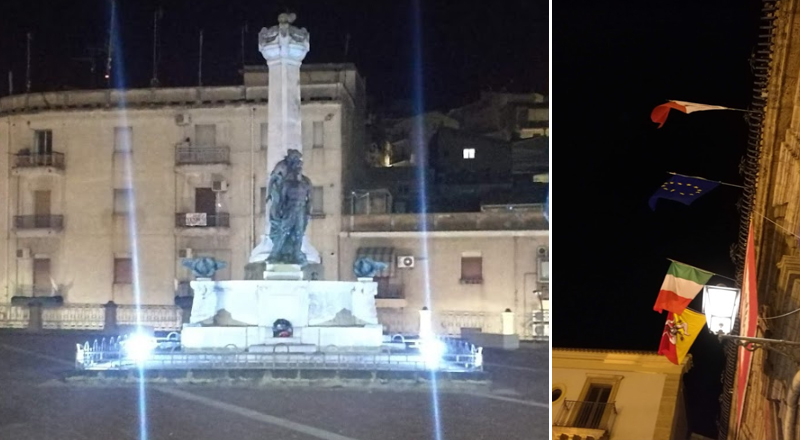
[(283, 47)]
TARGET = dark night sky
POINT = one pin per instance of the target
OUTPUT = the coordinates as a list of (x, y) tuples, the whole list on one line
[(466, 49), (611, 66)]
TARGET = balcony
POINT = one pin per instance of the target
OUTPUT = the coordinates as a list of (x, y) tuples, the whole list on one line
[(29, 291), (187, 156), (42, 163), (201, 223), (450, 222), (390, 296), (584, 420), (38, 225)]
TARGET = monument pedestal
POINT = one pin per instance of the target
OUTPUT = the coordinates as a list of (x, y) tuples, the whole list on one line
[(322, 314), (286, 272)]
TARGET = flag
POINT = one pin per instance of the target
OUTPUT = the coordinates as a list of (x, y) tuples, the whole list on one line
[(748, 321), (659, 114), (680, 331), (681, 285), (682, 189)]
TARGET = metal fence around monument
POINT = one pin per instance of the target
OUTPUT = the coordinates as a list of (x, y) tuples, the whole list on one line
[(108, 354)]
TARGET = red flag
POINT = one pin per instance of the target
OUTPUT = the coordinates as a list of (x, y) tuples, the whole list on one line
[(660, 113), (748, 320)]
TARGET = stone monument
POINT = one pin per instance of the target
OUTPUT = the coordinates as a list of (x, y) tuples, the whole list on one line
[(284, 47), (244, 314)]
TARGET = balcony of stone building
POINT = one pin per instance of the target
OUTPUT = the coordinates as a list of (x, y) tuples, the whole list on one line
[(33, 164), (584, 420), (30, 291), (194, 158), (390, 296), (202, 224), (508, 220), (38, 225)]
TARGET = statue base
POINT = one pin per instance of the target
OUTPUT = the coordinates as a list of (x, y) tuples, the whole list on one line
[(288, 272)]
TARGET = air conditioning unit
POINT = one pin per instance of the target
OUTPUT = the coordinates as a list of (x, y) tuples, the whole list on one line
[(23, 253), (183, 119), (542, 252), (405, 262), (185, 253), (219, 185)]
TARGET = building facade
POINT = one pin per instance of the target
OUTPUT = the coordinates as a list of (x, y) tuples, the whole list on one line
[(617, 395), (770, 407), (104, 188), (103, 193)]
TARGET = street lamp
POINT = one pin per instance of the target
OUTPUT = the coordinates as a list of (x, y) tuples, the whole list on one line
[(721, 305)]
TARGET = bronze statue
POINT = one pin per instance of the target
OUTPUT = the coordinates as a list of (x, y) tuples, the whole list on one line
[(290, 210)]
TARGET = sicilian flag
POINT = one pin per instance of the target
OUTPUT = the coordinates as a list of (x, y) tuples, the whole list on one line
[(680, 331), (680, 286), (659, 114)]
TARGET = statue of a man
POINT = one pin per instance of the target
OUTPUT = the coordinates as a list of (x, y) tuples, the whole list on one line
[(290, 209)]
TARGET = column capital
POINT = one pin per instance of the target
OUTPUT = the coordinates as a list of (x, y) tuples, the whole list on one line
[(284, 42)]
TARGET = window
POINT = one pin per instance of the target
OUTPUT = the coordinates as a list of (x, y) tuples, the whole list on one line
[(123, 139), (592, 409), (471, 268), (317, 201), (559, 393), (122, 200), (596, 403), (469, 153), (319, 135), (264, 135), (43, 141), (123, 271), (205, 135)]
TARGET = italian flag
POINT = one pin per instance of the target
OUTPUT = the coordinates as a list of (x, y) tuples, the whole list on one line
[(660, 113), (681, 285)]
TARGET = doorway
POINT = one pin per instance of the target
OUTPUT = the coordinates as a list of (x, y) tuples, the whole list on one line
[(41, 209), (41, 277), (205, 201), (593, 409)]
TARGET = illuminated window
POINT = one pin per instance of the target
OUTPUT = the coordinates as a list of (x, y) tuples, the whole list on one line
[(469, 153)]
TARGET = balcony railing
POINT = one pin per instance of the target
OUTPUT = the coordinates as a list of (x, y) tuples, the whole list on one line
[(461, 221), (187, 155), (202, 220), (28, 160), (36, 291), (390, 291), (39, 222), (586, 415)]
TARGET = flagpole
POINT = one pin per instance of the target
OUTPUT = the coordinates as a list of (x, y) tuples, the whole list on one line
[(707, 180), (726, 108), (695, 267)]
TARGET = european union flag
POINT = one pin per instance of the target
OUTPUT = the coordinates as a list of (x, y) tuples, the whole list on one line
[(682, 189)]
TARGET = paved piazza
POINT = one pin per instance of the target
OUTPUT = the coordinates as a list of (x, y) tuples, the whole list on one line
[(36, 404)]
